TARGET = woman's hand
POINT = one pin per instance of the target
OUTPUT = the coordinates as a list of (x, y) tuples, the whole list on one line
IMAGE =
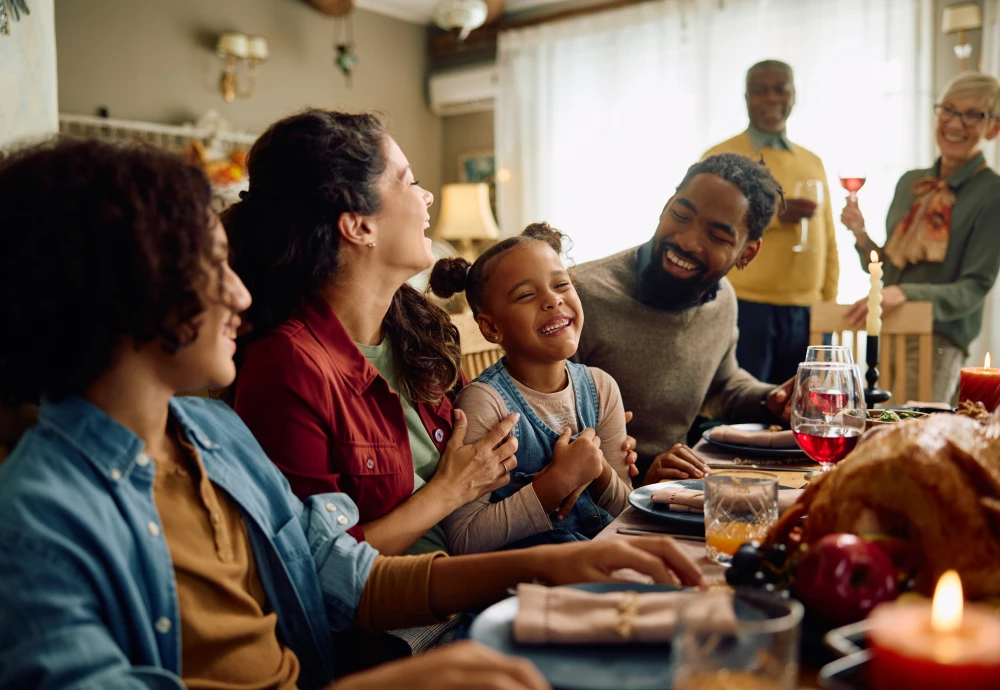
[(680, 462), (892, 297), (467, 472), (461, 666), (852, 218), (594, 561), (629, 448)]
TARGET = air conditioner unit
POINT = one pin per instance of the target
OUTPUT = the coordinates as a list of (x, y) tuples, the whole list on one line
[(469, 90)]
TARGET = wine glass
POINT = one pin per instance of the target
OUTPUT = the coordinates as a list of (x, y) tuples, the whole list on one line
[(828, 410), (852, 179), (829, 353), (810, 190)]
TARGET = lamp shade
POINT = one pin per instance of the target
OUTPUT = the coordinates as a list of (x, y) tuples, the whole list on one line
[(236, 45), (466, 214), (257, 49), (961, 18)]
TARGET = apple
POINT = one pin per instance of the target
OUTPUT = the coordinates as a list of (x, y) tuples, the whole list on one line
[(841, 578)]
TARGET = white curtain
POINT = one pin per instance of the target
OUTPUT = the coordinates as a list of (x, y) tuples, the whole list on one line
[(989, 337), (598, 118)]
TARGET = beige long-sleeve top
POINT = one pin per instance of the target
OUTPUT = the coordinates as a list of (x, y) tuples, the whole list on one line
[(483, 526)]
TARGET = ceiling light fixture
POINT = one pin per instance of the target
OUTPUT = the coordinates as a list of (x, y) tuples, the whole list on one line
[(464, 15)]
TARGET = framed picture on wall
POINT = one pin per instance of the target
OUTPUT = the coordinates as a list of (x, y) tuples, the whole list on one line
[(480, 166)]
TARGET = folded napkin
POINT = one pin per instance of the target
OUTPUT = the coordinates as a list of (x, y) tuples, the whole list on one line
[(682, 500), (561, 615), (759, 439)]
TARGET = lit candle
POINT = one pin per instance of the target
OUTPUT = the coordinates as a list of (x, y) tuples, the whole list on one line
[(873, 324), (930, 646), (980, 385)]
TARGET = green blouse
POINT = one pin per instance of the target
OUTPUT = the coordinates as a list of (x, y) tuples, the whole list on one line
[(958, 285)]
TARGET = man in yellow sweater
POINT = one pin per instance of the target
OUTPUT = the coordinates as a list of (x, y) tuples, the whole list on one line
[(793, 270)]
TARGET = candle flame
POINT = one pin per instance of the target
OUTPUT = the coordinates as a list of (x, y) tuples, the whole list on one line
[(946, 610), (987, 365), (874, 257)]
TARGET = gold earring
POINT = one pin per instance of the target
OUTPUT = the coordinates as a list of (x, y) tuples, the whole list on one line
[(371, 245)]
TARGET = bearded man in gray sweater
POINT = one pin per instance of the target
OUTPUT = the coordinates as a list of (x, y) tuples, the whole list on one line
[(661, 317)]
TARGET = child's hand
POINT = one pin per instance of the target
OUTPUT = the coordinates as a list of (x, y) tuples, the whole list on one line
[(580, 461), (629, 448)]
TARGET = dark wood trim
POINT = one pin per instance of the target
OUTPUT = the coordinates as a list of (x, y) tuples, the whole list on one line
[(443, 43)]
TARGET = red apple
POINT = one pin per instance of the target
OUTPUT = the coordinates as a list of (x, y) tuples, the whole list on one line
[(842, 577)]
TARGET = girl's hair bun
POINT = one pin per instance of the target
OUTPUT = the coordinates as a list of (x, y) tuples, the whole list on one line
[(543, 232), (449, 276)]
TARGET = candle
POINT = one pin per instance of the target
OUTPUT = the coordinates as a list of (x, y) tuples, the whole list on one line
[(944, 644), (980, 385), (873, 324)]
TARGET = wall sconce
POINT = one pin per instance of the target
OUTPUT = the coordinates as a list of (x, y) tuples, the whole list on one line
[(236, 49), (959, 19)]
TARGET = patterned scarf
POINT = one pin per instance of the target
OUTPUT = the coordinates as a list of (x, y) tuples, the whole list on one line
[(922, 234)]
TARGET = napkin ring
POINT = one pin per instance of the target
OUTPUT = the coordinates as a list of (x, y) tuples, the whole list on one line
[(628, 611)]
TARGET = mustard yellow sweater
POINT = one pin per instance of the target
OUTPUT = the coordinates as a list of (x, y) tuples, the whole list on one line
[(778, 275)]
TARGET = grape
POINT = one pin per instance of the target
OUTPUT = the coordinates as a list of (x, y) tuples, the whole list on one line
[(747, 558)]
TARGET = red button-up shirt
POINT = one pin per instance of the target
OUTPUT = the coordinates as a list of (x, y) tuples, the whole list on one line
[(327, 418)]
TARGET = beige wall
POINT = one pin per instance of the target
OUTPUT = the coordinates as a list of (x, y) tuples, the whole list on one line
[(153, 60), (463, 134), (28, 76)]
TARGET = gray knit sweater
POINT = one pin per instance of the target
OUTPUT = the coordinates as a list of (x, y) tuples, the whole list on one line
[(668, 366)]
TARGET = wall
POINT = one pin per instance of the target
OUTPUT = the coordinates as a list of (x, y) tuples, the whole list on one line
[(28, 105), (462, 134), (154, 60)]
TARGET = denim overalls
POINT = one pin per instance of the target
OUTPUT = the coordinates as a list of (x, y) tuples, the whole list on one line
[(535, 442)]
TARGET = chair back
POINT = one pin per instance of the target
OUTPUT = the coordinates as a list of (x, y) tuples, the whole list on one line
[(477, 352), (912, 318)]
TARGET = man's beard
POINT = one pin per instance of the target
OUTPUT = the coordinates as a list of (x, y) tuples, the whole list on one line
[(660, 290)]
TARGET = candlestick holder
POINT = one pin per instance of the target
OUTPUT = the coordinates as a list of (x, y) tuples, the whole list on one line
[(873, 394)]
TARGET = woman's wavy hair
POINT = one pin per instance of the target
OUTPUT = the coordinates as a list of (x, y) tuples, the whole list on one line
[(99, 242), (453, 275), (305, 172)]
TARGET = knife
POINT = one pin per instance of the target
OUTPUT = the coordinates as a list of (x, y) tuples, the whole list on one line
[(642, 532), (771, 468)]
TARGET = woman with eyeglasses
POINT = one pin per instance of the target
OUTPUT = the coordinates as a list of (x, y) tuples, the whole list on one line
[(943, 232)]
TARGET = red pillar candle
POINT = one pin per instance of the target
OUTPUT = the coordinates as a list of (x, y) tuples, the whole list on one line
[(948, 644), (980, 385)]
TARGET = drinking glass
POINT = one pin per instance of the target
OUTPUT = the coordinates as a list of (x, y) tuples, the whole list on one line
[(852, 179), (740, 506), (829, 353), (828, 410), (759, 653), (811, 190)]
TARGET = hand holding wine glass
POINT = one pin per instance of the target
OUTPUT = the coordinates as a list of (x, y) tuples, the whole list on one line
[(828, 410), (810, 192)]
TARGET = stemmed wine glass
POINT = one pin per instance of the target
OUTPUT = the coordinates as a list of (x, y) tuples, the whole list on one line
[(810, 190), (828, 410), (853, 179), (829, 353)]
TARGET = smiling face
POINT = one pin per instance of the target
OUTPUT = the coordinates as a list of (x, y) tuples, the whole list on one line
[(402, 218), (770, 96), (207, 362), (702, 234), (961, 141), (531, 305)]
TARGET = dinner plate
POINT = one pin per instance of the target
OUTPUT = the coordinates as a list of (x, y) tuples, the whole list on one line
[(582, 667), (755, 451), (642, 500)]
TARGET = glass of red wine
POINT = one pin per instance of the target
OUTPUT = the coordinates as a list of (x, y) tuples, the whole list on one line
[(828, 410), (853, 179)]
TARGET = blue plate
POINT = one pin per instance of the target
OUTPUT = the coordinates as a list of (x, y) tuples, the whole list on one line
[(582, 667), (641, 500), (753, 451)]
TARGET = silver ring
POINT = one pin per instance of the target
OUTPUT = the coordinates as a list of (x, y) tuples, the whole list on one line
[(504, 464)]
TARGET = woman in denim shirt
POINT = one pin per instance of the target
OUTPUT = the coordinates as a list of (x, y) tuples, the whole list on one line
[(145, 539)]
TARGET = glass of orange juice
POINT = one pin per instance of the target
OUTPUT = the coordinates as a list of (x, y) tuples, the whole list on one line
[(740, 506)]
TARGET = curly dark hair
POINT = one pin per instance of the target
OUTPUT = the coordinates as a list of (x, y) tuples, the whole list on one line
[(752, 178), (305, 172), (100, 241), (453, 275)]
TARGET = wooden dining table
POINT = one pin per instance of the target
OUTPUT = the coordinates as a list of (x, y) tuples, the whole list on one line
[(795, 474)]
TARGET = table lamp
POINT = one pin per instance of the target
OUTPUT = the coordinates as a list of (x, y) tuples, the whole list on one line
[(466, 218)]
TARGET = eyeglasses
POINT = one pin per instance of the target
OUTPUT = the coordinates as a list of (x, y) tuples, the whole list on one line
[(970, 118)]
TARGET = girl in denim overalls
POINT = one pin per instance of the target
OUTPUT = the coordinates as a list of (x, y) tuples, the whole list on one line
[(571, 478)]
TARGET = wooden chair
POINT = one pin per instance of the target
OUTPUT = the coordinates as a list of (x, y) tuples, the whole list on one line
[(912, 318), (477, 352)]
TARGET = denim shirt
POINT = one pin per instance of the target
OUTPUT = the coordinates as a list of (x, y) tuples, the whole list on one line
[(87, 591)]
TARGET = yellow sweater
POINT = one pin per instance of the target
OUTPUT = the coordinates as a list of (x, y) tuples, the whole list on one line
[(778, 275)]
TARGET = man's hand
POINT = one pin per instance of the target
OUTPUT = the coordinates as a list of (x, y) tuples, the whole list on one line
[(797, 210), (680, 462), (779, 400), (460, 666), (892, 297)]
